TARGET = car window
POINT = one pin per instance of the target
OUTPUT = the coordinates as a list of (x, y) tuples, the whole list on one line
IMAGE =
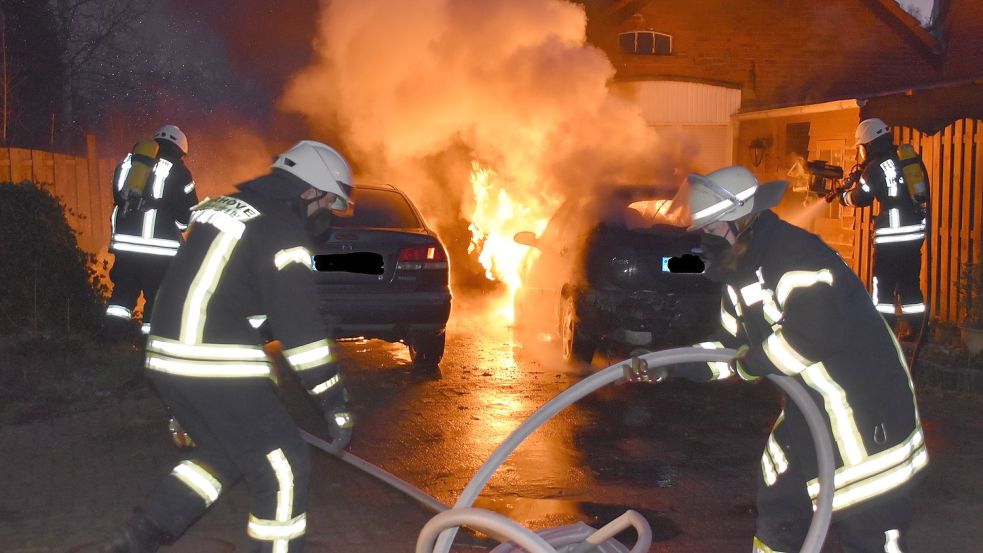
[(646, 213), (380, 209), (568, 224), (640, 208)]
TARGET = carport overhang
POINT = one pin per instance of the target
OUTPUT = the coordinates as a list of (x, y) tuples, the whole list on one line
[(789, 111), (928, 108)]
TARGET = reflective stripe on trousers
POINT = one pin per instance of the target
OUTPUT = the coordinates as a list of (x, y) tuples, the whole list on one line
[(285, 526)]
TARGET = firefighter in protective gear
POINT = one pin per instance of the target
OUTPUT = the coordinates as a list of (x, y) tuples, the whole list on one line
[(899, 229), (792, 307), (246, 265), (145, 237)]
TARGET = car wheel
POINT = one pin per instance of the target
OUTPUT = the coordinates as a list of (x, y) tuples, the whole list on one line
[(427, 348), (575, 344)]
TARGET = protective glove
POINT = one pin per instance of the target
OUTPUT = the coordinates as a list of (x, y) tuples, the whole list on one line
[(150, 202), (340, 420)]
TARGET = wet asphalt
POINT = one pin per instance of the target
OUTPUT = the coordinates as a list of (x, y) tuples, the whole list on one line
[(684, 455)]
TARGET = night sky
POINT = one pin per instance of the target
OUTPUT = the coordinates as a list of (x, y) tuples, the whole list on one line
[(265, 41)]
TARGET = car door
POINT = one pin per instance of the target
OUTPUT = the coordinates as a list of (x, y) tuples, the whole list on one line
[(554, 265)]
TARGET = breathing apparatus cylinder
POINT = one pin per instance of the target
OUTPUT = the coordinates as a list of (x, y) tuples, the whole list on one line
[(143, 157), (914, 175)]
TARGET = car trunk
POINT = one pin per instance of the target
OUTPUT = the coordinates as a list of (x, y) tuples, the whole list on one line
[(368, 260)]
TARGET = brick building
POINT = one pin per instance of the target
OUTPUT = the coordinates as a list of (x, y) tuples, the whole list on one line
[(771, 83)]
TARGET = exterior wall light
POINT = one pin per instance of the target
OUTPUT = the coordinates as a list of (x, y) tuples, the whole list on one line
[(757, 149)]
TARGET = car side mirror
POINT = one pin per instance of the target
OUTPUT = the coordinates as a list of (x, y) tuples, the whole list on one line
[(526, 238)]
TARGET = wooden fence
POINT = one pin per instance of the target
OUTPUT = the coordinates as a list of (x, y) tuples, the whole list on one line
[(954, 159), (81, 183)]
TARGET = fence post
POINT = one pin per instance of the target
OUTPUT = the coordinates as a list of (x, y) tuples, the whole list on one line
[(92, 184)]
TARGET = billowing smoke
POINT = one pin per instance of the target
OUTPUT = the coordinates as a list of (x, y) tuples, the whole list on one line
[(220, 160), (417, 89)]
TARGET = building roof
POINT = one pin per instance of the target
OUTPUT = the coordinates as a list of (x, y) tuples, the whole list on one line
[(787, 52)]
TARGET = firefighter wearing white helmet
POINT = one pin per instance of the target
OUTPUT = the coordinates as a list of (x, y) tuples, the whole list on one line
[(153, 192), (244, 277), (173, 135), (790, 308), (899, 230)]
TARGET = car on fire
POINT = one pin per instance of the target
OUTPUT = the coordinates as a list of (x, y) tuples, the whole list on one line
[(615, 268), (381, 272)]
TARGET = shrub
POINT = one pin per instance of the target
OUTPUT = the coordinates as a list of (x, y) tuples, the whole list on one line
[(970, 288), (49, 285)]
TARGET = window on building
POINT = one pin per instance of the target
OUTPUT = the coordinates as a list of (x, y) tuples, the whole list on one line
[(647, 43), (797, 139)]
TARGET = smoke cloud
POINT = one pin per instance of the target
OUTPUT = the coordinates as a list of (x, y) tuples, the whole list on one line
[(414, 91)]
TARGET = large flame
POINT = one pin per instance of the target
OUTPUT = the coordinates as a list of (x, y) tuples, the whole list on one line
[(415, 91), (495, 220)]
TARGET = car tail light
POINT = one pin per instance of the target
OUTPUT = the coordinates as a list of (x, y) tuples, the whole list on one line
[(422, 257)]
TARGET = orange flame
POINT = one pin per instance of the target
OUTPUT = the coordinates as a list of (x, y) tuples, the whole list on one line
[(495, 219)]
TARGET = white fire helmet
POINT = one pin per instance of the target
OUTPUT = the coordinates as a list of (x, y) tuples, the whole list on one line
[(175, 135), (728, 194), (870, 129), (320, 166)]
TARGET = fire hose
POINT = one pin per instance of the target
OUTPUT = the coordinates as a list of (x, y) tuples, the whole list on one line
[(438, 534), (923, 328)]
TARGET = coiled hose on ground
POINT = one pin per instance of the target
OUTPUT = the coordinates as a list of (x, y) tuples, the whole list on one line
[(438, 534)]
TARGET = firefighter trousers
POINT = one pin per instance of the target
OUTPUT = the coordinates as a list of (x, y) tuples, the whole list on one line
[(897, 271), (785, 511), (133, 273), (241, 431)]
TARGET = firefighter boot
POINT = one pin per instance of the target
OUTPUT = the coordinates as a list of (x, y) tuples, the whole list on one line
[(141, 535)]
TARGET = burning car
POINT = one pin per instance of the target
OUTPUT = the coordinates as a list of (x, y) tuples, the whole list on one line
[(617, 267), (381, 272)]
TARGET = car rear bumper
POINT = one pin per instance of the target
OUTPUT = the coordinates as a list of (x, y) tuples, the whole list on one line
[(641, 318), (391, 317)]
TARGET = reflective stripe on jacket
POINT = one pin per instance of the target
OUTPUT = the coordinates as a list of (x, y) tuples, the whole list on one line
[(900, 219), (155, 230), (801, 312), (246, 258)]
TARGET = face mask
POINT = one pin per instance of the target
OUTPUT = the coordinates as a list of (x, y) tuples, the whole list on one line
[(714, 247), (319, 219), (715, 253), (319, 224)]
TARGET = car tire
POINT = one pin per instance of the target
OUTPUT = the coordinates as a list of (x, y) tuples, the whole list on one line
[(576, 345), (427, 348)]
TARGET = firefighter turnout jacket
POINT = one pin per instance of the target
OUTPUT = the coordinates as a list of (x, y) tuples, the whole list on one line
[(156, 228), (247, 260), (902, 219), (799, 311)]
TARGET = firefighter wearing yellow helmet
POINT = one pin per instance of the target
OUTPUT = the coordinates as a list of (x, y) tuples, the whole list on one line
[(247, 266), (791, 307)]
